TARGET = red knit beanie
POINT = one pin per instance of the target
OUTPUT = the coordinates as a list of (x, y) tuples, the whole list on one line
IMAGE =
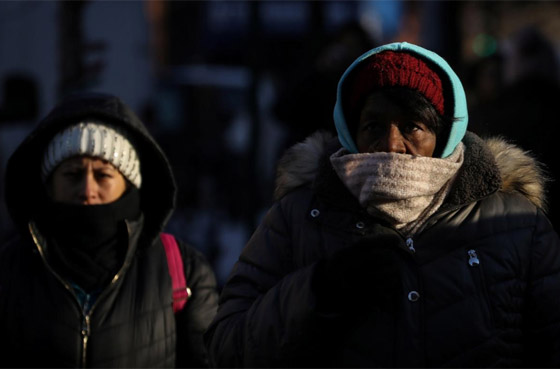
[(390, 68)]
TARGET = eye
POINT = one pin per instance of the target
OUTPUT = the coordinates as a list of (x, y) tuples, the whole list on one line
[(412, 127), (104, 175), (370, 126), (72, 174)]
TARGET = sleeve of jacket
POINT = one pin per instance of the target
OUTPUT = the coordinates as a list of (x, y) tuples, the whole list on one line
[(266, 314), (199, 310), (542, 318)]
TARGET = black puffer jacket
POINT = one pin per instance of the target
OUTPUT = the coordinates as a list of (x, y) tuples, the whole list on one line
[(502, 311), (131, 323)]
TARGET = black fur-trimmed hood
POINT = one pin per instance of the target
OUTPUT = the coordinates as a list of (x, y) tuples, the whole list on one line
[(490, 165)]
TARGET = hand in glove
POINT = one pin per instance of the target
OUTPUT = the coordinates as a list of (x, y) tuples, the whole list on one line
[(361, 275)]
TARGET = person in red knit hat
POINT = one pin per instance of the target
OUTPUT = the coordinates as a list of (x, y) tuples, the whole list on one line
[(379, 84), (404, 242)]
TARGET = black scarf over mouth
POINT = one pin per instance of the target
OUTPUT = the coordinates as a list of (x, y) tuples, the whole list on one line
[(88, 243)]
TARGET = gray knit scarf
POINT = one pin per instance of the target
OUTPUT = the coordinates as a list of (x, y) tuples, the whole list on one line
[(402, 189)]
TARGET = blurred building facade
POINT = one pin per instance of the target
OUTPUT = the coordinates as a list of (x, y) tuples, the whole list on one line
[(227, 86)]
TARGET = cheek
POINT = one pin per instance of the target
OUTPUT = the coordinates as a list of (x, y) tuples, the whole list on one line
[(57, 188), (427, 146), (112, 190), (363, 142), (361, 145)]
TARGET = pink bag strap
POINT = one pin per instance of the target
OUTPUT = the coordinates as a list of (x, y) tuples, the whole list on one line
[(181, 292)]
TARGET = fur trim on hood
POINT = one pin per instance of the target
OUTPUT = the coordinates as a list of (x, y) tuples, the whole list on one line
[(519, 170), (300, 164), (490, 165)]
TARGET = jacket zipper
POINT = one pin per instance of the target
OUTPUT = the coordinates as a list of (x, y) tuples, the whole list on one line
[(86, 322), (410, 245), (480, 283), (473, 258), (87, 318), (86, 327)]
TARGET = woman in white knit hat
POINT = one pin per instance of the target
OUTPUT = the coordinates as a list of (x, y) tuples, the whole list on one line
[(88, 281), (90, 163)]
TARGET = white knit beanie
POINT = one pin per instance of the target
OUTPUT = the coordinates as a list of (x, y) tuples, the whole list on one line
[(97, 139)]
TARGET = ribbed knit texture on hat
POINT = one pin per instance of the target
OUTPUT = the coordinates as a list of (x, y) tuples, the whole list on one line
[(390, 68), (95, 139)]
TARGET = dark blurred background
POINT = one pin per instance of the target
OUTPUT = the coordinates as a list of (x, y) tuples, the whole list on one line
[(227, 86)]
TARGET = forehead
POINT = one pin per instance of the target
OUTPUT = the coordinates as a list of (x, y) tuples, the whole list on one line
[(377, 102), (85, 160)]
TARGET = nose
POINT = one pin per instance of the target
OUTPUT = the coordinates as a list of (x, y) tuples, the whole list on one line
[(89, 192), (391, 141)]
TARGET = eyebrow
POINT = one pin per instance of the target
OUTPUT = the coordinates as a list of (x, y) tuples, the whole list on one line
[(111, 167), (78, 165), (369, 113)]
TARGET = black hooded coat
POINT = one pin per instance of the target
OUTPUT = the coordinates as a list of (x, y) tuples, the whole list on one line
[(478, 287), (131, 323)]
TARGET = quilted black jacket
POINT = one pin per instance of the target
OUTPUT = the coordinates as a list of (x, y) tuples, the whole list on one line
[(479, 286), (131, 323)]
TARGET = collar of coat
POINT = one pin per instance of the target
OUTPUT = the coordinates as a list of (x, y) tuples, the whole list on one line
[(490, 165)]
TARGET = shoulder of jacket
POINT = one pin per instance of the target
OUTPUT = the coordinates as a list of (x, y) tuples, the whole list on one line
[(519, 170), (300, 163), (195, 263)]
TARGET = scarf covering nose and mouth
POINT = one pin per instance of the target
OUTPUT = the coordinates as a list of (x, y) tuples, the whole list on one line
[(402, 189)]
